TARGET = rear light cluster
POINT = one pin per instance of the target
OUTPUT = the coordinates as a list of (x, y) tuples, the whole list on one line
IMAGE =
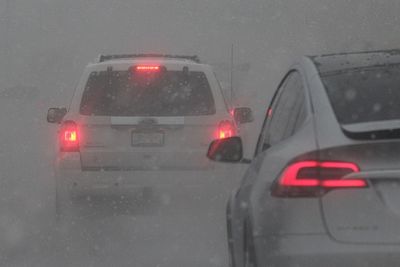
[(69, 137), (226, 129), (314, 178)]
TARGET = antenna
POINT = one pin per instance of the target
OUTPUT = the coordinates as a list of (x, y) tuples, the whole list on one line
[(232, 93), (6, 55)]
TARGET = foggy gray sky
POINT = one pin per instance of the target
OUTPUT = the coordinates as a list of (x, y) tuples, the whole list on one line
[(47, 43)]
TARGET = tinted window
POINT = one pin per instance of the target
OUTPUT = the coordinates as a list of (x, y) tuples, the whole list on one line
[(126, 93), (301, 113), (365, 95), (286, 112)]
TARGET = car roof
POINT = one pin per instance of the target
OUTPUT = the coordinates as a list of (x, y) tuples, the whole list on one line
[(175, 62), (353, 60)]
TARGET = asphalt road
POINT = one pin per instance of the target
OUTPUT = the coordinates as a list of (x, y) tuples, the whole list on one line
[(178, 226)]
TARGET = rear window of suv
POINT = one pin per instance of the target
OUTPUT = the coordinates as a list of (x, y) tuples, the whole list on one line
[(166, 93), (364, 95)]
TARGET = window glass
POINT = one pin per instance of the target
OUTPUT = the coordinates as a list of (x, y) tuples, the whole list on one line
[(284, 115), (169, 93), (365, 95), (301, 114)]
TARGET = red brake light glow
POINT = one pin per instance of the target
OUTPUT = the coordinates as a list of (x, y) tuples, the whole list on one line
[(69, 141), (225, 134), (344, 183), (70, 136), (226, 129), (147, 68), (308, 178)]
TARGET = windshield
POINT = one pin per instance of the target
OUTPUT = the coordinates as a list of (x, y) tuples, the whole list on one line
[(365, 95), (123, 93)]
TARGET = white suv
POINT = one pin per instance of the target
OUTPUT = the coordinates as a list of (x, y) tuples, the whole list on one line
[(139, 113)]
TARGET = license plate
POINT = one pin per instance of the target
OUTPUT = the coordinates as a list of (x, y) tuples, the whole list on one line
[(147, 138)]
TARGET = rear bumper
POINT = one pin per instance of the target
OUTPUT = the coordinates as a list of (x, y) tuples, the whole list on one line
[(85, 180), (69, 173), (321, 250)]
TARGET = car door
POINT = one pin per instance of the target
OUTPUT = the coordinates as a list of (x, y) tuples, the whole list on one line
[(283, 116)]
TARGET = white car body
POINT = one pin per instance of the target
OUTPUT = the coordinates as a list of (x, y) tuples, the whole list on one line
[(109, 158)]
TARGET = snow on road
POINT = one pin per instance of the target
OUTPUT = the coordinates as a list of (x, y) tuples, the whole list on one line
[(178, 226)]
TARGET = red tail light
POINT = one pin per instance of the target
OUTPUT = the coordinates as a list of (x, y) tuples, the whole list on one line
[(69, 137), (226, 129), (147, 68), (313, 178)]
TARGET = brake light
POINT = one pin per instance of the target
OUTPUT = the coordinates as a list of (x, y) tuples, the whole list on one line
[(147, 68), (69, 138), (313, 178), (226, 129)]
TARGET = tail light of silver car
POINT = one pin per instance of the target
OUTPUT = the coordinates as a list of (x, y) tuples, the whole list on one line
[(69, 137), (314, 178)]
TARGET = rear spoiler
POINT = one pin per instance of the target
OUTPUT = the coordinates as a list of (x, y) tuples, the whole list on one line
[(103, 58), (376, 130)]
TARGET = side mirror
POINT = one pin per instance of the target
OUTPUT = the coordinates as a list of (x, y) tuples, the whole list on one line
[(243, 115), (55, 115), (226, 150)]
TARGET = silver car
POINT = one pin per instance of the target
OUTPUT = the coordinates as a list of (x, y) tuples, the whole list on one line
[(323, 188)]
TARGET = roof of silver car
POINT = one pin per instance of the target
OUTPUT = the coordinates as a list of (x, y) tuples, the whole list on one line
[(353, 60)]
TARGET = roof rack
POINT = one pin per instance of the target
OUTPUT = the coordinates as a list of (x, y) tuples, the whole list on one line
[(103, 58)]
